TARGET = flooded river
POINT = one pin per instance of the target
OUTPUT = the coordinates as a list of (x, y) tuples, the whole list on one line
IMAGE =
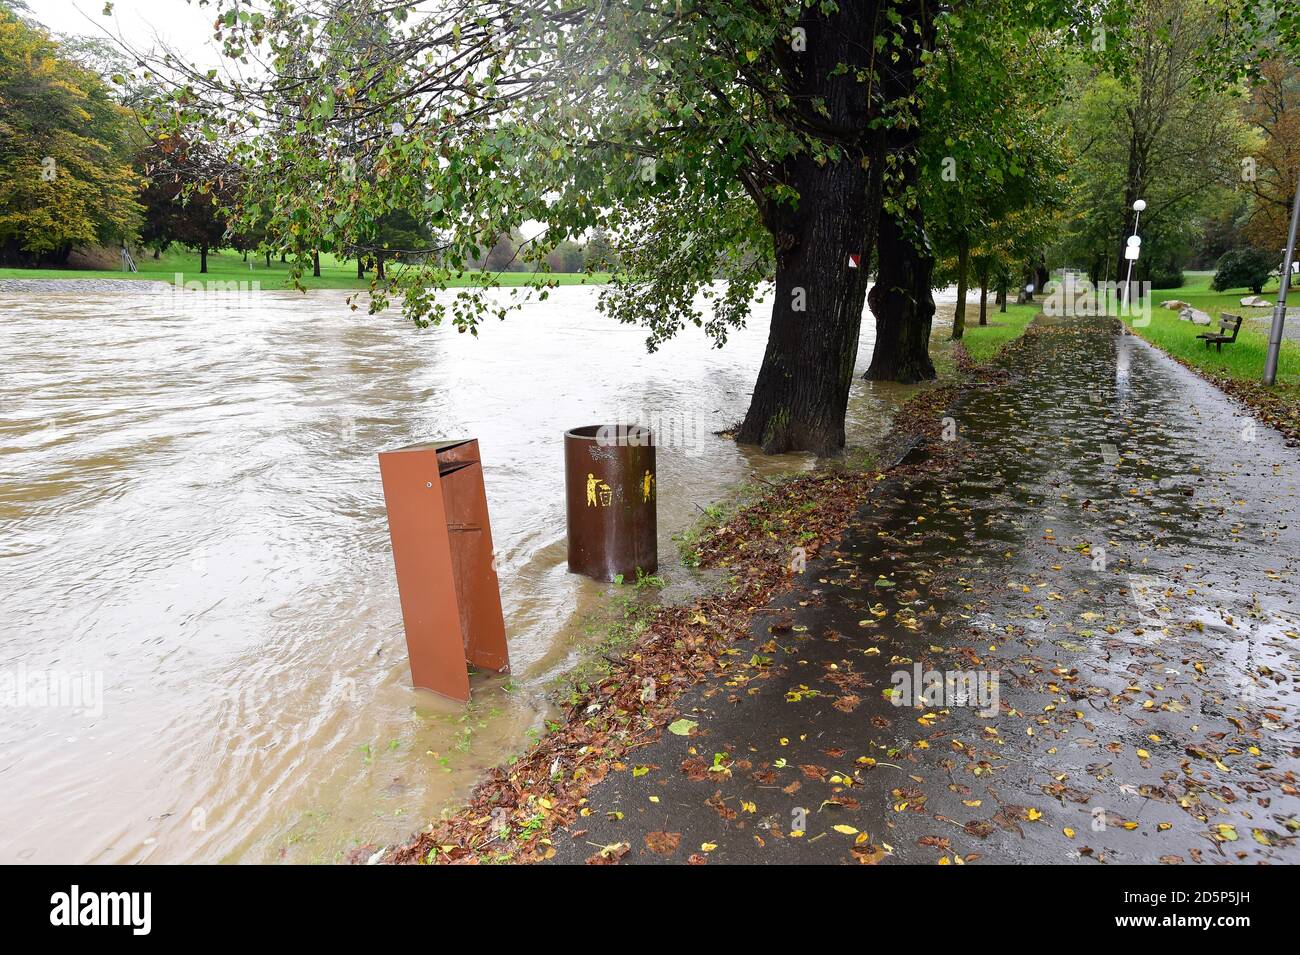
[(198, 602)]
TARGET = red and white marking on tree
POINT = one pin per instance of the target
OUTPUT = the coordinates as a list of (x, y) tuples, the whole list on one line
[(854, 260)]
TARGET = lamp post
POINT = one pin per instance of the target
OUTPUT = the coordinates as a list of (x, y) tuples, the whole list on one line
[(1132, 250), (1284, 283)]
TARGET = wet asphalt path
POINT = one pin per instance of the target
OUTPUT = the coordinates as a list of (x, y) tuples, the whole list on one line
[(1117, 559)]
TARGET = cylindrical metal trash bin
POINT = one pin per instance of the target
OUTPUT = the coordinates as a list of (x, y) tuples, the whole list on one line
[(609, 473)]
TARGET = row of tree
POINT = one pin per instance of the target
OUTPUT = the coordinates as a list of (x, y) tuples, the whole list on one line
[(793, 145), (1174, 128)]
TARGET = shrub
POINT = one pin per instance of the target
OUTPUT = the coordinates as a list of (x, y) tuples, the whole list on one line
[(1167, 278), (1243, 268)]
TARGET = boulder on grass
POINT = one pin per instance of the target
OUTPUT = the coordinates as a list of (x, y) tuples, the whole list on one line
[(1256, 301), (1173, 303), (1195, 316)]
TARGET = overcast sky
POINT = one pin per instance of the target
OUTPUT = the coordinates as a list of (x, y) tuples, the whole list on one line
[(184, 26)]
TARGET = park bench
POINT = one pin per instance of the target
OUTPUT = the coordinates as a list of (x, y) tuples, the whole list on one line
[(1221, 337)]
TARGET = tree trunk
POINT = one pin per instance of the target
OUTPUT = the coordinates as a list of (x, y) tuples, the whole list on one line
[(901, 300), (361, 268), (802, 391), (984, 299), (315, 264), (1001, 298), (203, 259), (1025, 296), (963, 273), (268, 260), (379, 266), (1133, 188), (157, 254)]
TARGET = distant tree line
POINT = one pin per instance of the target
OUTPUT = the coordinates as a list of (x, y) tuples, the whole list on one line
[(78, 170)]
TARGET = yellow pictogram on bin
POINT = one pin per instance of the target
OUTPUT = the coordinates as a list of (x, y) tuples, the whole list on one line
[(598, 492)]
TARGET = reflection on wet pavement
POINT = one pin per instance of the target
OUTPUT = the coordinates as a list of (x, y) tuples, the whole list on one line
[(1090, 623)]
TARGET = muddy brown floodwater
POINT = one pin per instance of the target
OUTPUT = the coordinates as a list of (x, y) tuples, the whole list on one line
[(196, 564)]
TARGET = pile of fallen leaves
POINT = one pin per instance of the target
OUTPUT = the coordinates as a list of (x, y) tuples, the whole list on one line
[(804, 511)]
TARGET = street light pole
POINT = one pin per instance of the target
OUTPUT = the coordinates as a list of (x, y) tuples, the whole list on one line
[(1284, 283), (1132, 251)]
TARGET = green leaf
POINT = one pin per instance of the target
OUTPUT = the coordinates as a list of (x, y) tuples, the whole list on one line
[(683, 727)]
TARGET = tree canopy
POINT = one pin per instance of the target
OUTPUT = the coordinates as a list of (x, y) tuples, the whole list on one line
[(65, 151), (710, 152), (747, 142), (1159, 124)]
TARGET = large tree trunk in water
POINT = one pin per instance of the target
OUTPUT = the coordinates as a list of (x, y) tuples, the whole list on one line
[(901, 300), (803, 386), (963, 272)]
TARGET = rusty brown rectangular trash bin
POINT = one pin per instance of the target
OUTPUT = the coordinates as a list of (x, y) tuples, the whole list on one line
[(442, 551)]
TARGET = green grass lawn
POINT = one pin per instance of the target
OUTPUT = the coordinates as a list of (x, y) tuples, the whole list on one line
[(981, 342), (1241, 361), (1196, 292), (230, 267), (984, 341)]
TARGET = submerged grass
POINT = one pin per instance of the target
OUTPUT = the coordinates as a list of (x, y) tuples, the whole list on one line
[(611, 630)]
